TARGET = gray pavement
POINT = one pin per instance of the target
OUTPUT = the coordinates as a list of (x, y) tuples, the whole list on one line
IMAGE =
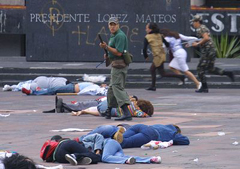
[(202, 117)]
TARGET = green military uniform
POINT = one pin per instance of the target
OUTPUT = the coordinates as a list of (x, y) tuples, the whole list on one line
[(208, 55), (117, 96)]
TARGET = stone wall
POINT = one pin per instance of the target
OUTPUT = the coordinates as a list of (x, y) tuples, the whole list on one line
[(12, 2)]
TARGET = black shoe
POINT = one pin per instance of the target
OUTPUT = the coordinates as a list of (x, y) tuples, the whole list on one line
[(123, 117), (108, 113), (49, 111), (59, 106), (151, 88), (126, 114), (71, 159), (201, 90), (85, 161)]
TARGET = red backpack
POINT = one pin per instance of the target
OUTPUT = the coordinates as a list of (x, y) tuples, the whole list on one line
[(47, 150)]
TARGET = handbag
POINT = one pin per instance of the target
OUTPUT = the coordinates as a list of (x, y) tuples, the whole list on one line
[(127, 57)]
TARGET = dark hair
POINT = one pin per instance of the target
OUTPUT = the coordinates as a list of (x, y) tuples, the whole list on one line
[(167, 32), (178, 129), (17, 161), (154, 27), (146, 106), (56, 137), (135, 97)]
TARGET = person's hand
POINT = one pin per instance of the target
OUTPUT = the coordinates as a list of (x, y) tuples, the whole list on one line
[(103, 45), (195, 44), (146, 59), (187, 45), (105, 56), (98, 152)]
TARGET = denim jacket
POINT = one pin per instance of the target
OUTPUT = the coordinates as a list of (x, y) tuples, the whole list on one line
[(93, 141)]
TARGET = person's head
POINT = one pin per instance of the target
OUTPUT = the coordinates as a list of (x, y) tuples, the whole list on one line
[(104, 85), (152, 28), (168, 33), (113, 24), (133, 98), (17, 161), (56, 137), (196, 21), (146, 106), (178, 129)]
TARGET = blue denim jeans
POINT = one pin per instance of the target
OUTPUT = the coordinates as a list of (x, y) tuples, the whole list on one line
[(107, 131), (113, 153), (52, 91), (102, 107), (137, 135)]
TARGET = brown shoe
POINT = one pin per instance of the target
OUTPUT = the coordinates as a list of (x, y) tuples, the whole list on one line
[(118, 136)]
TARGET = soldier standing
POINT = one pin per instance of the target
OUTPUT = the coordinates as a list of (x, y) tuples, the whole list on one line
[(116, 95)]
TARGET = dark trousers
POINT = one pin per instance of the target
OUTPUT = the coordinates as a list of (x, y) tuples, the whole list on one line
[(79, 106), (162, 72), (73, 147), (206, 63)]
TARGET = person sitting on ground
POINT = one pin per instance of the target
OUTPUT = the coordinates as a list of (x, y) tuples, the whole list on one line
[(82, 88), (111, 151), (41, 82), (67, 146)]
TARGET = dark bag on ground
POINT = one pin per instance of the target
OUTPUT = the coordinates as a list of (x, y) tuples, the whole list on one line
[(128, 57)]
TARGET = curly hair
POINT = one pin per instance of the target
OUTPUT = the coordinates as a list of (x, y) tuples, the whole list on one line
[(146, 106)]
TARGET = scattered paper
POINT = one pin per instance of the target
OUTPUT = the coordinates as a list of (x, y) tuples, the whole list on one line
[(195, 160), (71, 130), (4, 115), (94, 79), (53, 167), (235, 143), (221, 134)]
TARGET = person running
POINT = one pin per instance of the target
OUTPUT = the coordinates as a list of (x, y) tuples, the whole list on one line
[(208, 54), (179, 62), (155, 40)]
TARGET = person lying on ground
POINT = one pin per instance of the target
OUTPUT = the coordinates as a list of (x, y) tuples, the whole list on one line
[(111, 151), (66, 146), (13, 160), (82, 88), (97, 107), (140, 134), (41, 82), (139, 108)]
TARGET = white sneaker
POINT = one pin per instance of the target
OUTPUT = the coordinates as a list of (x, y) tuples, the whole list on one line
[(131, 160), (156, 160), (200, 85), (72, 160), (7, 88)]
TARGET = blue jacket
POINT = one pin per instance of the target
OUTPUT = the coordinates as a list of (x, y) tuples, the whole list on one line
[(169, 132), (93, 142)]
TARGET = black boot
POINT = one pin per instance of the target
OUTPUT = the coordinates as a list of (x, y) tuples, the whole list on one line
[(230, 75), (203, 89), (126, 114), (107, 113), (151, 88), (49, 111), (58, 105)]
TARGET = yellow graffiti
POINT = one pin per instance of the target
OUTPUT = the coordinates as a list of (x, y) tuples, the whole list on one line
[(54, 2), (79, 33)]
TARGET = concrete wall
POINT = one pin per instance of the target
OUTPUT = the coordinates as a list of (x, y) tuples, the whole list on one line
[(12, 2)]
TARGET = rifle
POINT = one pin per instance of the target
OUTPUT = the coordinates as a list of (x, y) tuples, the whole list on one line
[(105, 50)]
